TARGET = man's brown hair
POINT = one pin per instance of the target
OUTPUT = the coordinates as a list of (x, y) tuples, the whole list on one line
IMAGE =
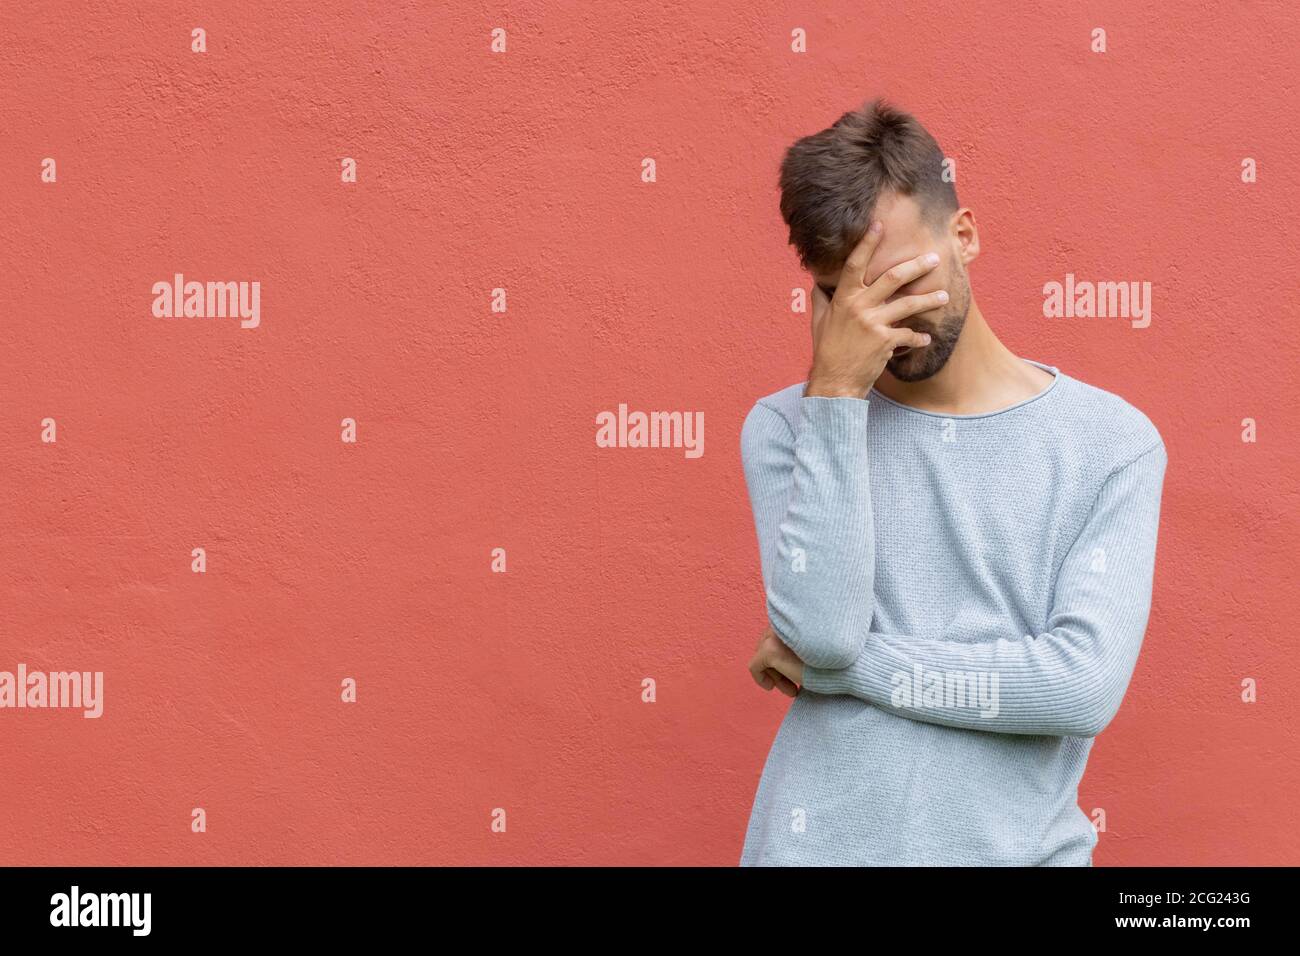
[(830, 181)]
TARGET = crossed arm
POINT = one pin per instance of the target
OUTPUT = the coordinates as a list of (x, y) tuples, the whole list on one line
[(810, 494)]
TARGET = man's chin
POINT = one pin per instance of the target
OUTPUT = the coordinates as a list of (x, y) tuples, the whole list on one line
[(914, 365)]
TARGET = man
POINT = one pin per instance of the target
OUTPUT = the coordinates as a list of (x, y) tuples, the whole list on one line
[(957, 544)]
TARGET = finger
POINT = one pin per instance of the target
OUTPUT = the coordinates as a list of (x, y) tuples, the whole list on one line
[(758, 671), (775, 677), (908, 338), (906, 305), (855, 266), (895, 277), (784, 684)]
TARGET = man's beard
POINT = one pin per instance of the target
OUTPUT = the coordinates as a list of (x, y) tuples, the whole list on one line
[(917, 364)]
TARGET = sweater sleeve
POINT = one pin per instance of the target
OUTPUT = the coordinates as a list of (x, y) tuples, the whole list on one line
[(1068, 680), (809, 490)]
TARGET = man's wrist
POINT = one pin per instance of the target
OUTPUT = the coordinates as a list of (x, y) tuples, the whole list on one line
[(829, 388)]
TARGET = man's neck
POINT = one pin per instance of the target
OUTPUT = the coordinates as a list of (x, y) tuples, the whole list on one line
[(982, 375)]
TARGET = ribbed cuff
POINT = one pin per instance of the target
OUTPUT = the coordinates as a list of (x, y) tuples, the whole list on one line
[(820, 680), (869, 677), (838, 422)]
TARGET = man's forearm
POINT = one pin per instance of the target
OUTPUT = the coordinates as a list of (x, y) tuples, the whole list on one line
[(1066, 681), (812, 510), (1060, 683)]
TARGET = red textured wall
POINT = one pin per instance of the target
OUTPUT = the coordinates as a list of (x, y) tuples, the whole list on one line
[(522, 170)]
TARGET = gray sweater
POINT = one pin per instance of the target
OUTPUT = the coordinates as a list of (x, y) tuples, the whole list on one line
[(969, 594)]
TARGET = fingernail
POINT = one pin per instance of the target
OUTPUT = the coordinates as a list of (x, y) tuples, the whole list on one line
[(932, 259), (942, 296), (876, 226)]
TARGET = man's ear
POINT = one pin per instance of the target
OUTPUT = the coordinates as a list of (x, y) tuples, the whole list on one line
[(966, 234)]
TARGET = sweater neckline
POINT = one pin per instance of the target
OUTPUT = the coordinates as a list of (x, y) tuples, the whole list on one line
[(1057, 375)]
